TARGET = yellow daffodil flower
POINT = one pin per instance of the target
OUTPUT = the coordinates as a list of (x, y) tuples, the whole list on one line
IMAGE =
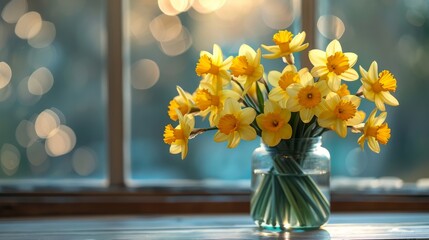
[(213, 68), (333, 65), (182, 102), (210, 101), (234, 124), (306, 97), (375, 131), (281, 80), (377, 87), (178, 137), (247, 67), (274, 123), (286, 44), (338, 113)]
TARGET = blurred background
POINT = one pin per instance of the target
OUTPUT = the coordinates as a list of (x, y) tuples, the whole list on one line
[(53, 76)]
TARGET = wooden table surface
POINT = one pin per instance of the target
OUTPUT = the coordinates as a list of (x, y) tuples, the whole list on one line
[(341, 226)]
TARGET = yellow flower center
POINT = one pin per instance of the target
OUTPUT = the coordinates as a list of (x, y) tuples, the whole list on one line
[(288, 78), (309, 97), (381, 133), (240, 66), (183, 108), (345, 110), (343, 91), (205, 65), (338, 63), (203, 99), (228, 124), (282, 39), (386, 82), (171, 135), (272, 122)]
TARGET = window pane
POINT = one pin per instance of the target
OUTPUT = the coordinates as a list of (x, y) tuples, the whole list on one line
[(52, 92), (164, 41), (395, 34)]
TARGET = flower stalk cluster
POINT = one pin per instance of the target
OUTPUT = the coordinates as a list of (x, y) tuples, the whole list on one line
[(241, 102)]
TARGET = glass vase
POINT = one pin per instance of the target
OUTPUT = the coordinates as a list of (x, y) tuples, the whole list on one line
[(290, 185)]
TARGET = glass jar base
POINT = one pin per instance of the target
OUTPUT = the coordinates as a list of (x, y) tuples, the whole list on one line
[(286, 228)]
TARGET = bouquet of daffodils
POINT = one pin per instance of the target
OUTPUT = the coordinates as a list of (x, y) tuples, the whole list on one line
[(241, 104)]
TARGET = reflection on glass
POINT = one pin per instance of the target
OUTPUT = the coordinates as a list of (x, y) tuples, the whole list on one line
[(52, 70), (163, 40)]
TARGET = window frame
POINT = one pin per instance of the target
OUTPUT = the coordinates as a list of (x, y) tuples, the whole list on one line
[(117, 198)]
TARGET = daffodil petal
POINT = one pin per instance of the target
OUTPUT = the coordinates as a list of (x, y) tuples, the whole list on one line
[(274, 77), (333, 47), (319, 71), (317, 57), (379, 103), (389, 99), (349, 75), (340, 128), (247, 115), (373, 145), (352, 58), (306, 114), (220, 137), (373, 72), (247, 133)]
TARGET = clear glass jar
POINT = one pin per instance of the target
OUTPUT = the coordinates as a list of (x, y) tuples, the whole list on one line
[(290, 185)]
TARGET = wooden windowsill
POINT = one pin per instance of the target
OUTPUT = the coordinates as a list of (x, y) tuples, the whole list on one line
[(220, 226), (180, 202)]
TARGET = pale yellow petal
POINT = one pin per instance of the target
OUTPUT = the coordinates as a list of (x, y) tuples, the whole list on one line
[(293, 105), (319, 71), (247, 133), (364, 73), (373, 144), (220, 137), (370, 95), (277, 94), (332, 100), (349, 75), (233, 140), (317, 57), (300, 48), (274, 77), (357, 119), (298, 40), (352, 58), (334, 82), (380, 119), (333, 47), (184, 151), (247, 115), (217, 55), (306, 79), (306, 114), (286, 132), (231, 106), (289, 68), (269, 107), (389, 99), (340, 128), (293, 89), (379, 103), (373, 72), (175, 149), (354, 99), (270, 138)]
